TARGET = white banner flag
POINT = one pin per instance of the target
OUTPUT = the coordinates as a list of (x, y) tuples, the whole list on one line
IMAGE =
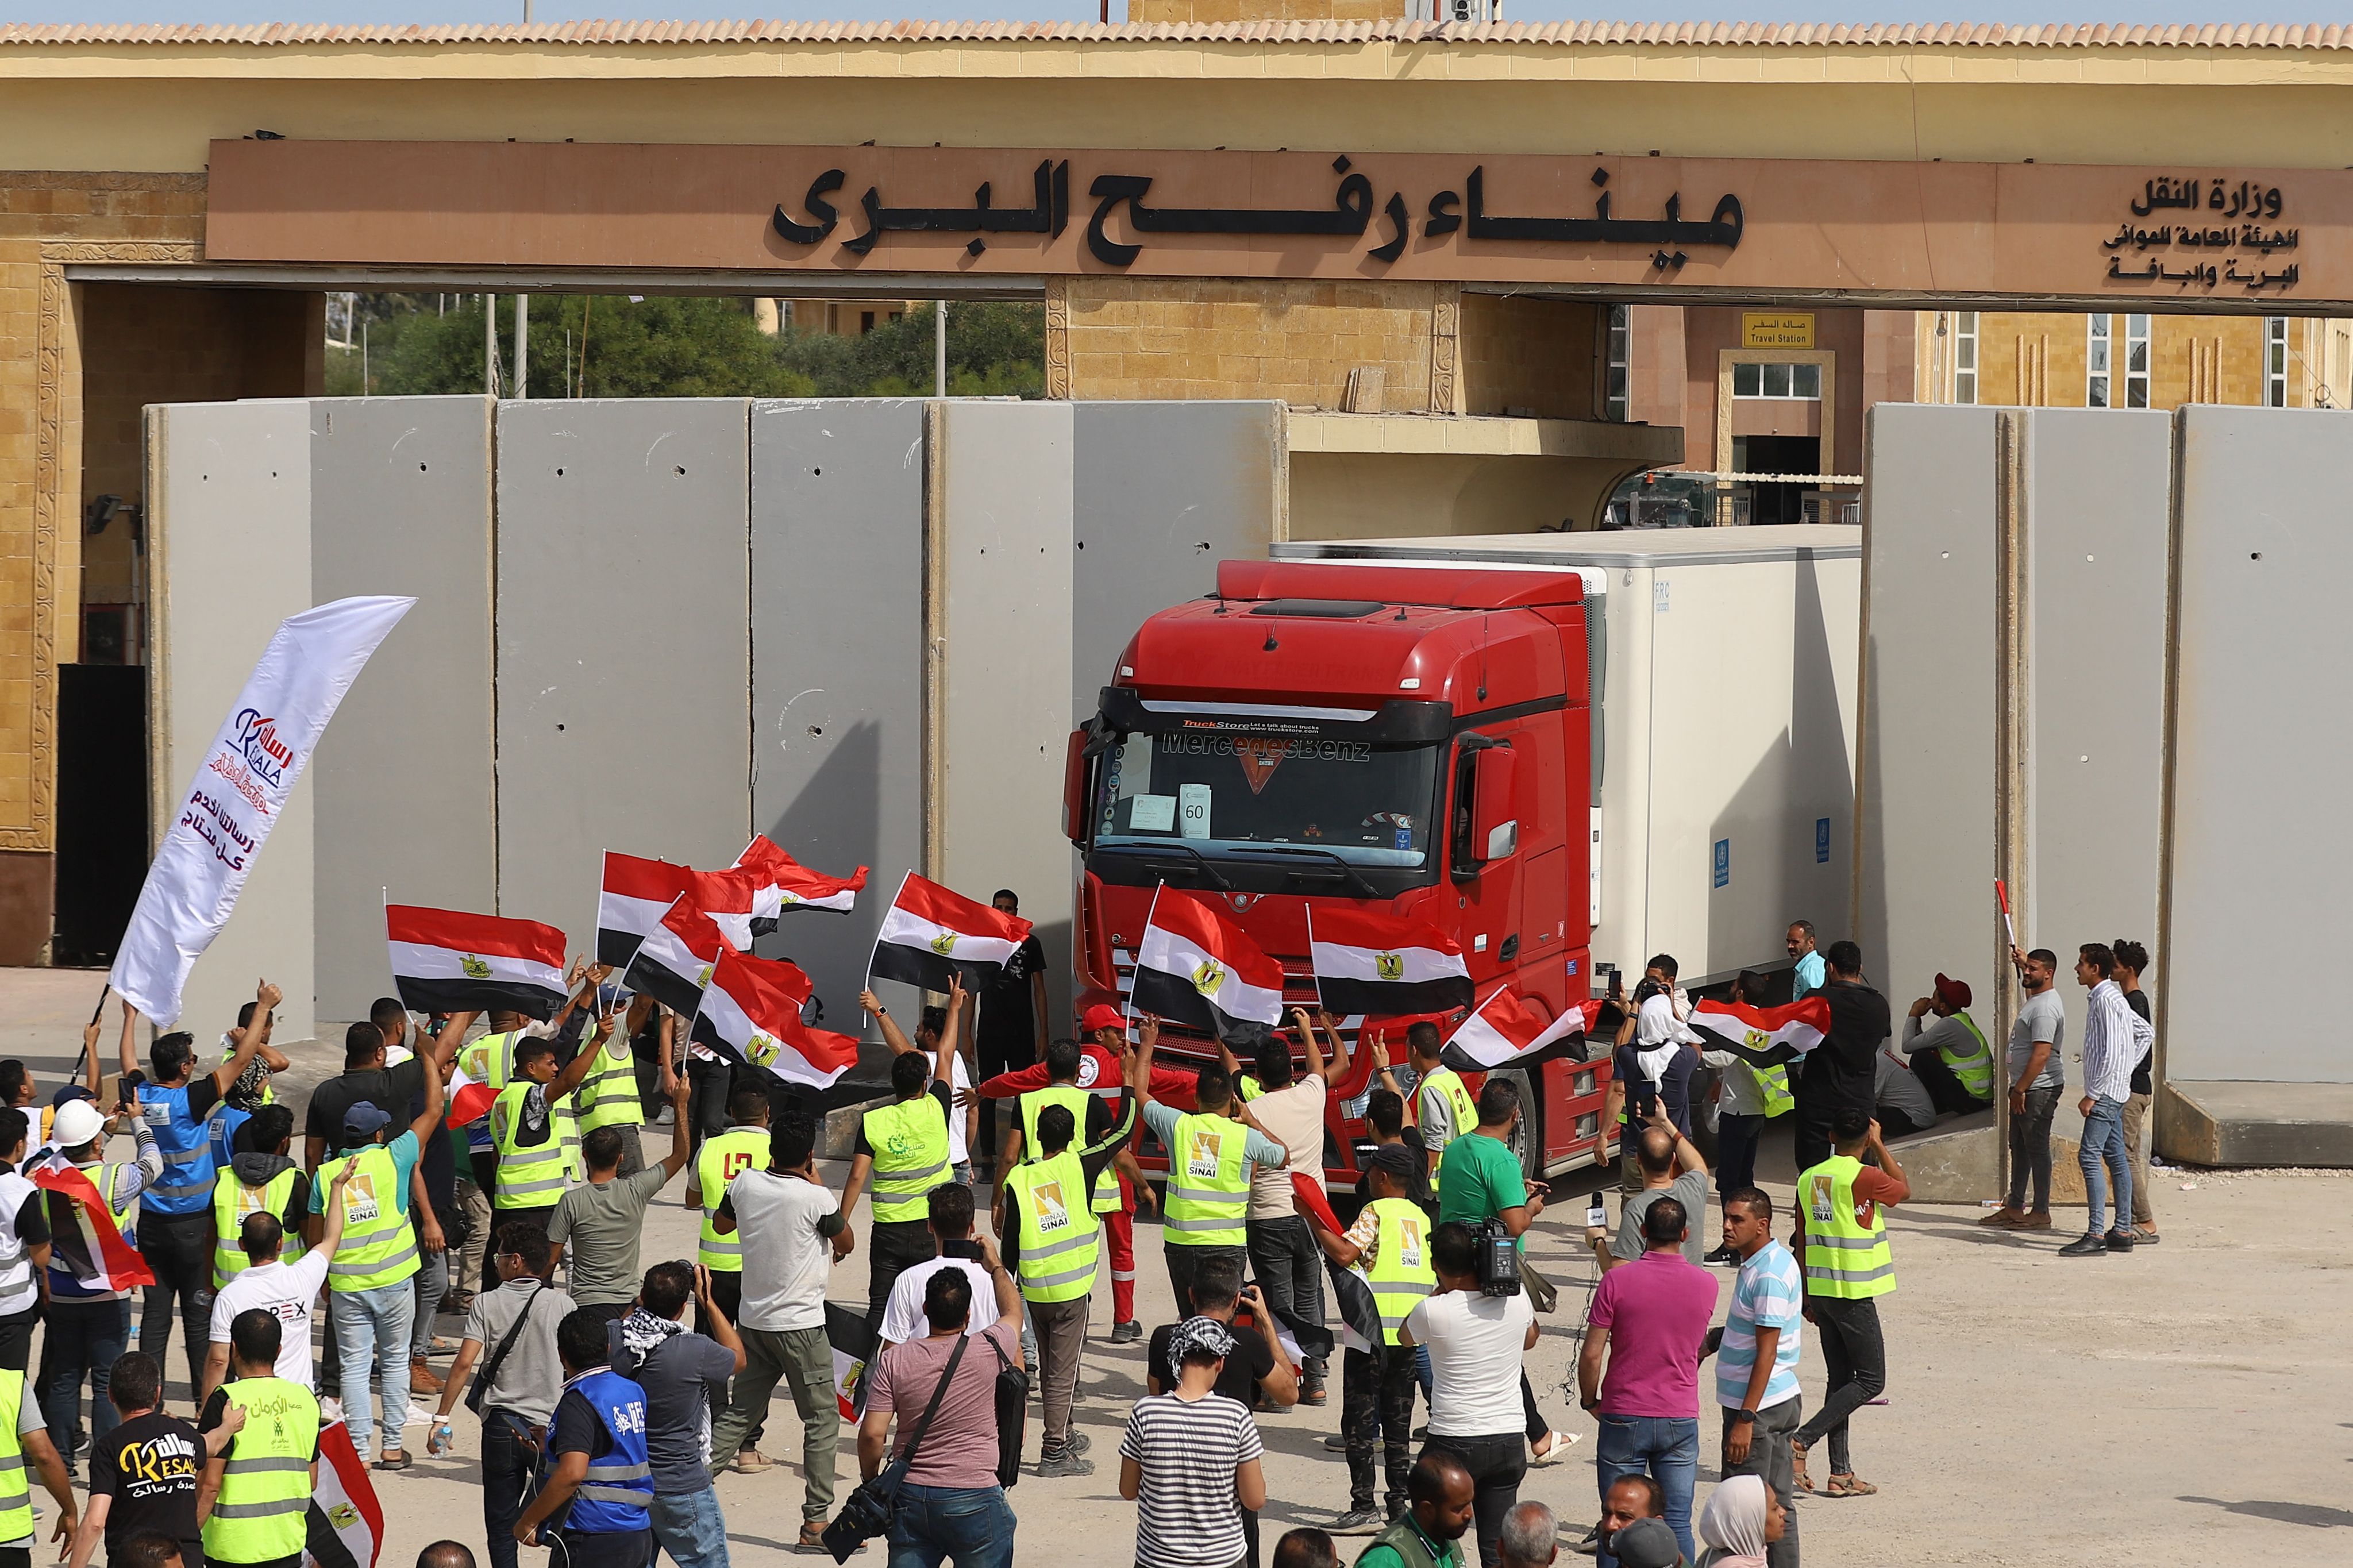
[(237, 793)]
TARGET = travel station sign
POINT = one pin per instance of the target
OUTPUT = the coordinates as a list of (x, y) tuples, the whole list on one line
[(2202, 239)]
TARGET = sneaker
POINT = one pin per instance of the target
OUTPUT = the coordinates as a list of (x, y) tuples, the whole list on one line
[(1127, 1333), (1056, 1465), (751, 1462), (2120, 1241), (2085, 1246), (1338, 1442), (1077, 1444), (330, 1410), (1589, 1543), (1723, 1257), (1357, 1521)]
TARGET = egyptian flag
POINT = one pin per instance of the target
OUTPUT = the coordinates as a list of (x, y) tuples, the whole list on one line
[(932, 933), (786, 884), (82, 1236), (1750, 1031), (844, 1329), (1367, 963), (444, 962), (1504, 1032), (469, 1100), (1360, 1314), (674, 962), (630, 902), (345, 1500), (751, 1014), (729, 898), (1197, 967)]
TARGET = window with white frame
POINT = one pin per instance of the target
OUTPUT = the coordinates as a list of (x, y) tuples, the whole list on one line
[(1802, 381), (1965, 357), (2096, 364), (1620, 364), (2275, 361), (2135, 362)]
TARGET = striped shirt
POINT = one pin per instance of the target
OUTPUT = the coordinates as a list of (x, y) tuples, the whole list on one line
[(1770, 1293), (1187, 1515)]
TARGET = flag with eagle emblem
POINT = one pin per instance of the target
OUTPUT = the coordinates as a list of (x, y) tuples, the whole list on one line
[(445, 962), (1197, 967), (932, 933), (674, 962), (1379, 965), (751, 1014)]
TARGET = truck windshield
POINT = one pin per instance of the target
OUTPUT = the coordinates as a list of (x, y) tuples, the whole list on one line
[(1232, 794)]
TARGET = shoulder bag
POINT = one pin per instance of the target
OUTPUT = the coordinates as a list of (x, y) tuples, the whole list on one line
[(866, 1513), (1012, 1414)]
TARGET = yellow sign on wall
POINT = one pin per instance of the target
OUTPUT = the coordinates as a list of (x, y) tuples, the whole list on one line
[(1777, 330)]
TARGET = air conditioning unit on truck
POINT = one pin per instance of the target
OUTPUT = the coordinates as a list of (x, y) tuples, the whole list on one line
[(1568, 752)]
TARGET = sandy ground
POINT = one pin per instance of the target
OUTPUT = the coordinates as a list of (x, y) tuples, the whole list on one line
[(2190, 1402)]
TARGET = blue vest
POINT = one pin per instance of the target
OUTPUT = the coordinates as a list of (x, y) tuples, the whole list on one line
[(185, 1186), (220, 1132), (614, 1497)]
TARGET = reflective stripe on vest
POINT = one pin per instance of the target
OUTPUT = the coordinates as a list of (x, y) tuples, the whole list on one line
[(1400, 1275), (1773, 1088), (1975, 1070), (185, 1186), (260, 1514), (535, 1177), (1448, 1083), (1844, 1259), (910, 1140), (722, 1157), (378, 1247), (1072, 1097), (1061, 1237), (1208, 1184), (608, 1097), (614, 1496), (232, 1201), (15, 1487)]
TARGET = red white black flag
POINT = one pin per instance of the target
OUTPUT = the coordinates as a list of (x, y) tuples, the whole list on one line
[(730, 898), (751, 1014), (1504, 1032), (932, 933), (1197, 967), (635, 894), (445, 962), (1800, 1025), (785, 884), (1375, 963), (674, 962), (84, 1241), (346, 1497)]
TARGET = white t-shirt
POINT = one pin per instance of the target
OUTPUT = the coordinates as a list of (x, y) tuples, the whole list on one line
[(1294, 1117), (785, 1261), (1476, 1344), (958, 1078), (902, 1315), (284, 1290)]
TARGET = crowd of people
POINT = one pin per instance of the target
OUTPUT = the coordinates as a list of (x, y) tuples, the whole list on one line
[(608, 1404)]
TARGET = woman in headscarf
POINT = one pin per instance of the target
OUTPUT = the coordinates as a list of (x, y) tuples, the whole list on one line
[(1741, 1519)]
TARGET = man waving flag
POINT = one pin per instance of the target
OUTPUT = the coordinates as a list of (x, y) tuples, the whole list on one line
[(1199, 968), (1504, 1031)]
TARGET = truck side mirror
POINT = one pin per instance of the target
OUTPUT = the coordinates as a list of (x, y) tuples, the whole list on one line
[(1076, 805), (1495, 824)]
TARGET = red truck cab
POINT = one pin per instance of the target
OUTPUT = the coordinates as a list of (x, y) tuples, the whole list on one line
[(1406, 738)]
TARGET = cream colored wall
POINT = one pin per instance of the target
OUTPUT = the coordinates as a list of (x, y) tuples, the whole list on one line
[(2039, 359)]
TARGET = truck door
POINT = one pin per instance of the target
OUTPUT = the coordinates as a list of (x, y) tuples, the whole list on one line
[(1483, 854)]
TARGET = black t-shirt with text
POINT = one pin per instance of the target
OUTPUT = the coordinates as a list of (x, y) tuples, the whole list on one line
[(149, 1466)]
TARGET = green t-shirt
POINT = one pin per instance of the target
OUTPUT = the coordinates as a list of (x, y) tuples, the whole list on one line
[(1478, 1179)]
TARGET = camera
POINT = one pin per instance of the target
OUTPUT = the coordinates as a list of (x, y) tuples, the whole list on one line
[(1498, 1261), (1648, 989)]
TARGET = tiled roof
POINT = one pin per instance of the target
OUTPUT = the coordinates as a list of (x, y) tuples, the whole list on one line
[(1654, 35)]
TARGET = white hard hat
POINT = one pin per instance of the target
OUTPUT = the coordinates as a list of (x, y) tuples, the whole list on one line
[(75, 1123)]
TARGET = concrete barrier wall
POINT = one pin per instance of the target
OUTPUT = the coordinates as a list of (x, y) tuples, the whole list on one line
[(230, 557), (624, 643), (400, 503), (2262, 717), (838, 597)]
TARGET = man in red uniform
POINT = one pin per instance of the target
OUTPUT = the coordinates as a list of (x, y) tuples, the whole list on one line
[(1100, 1073)]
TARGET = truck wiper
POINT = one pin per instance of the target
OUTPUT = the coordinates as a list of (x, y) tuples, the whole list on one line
[(1346, 870), (1146, 851)]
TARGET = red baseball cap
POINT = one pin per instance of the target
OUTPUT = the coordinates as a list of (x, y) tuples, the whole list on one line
[(1953, 994), (1104, 1015)]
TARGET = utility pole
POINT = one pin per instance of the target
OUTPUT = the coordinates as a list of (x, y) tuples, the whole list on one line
[(522, 344), (939, 349)]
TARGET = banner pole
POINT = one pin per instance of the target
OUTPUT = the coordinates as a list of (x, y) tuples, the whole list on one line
[(1128, 1003)]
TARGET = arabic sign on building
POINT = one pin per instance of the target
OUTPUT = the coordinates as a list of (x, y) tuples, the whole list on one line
[(1904, 233), (1777, 330)]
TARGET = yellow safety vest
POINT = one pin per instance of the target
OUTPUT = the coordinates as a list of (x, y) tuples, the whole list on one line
[(1061, 1237), (264, 1503), (15, 1484), (910, 1140), (608, 1096), (1844, 1259), (490, 1061), (534, 1177), (1070, 1096), (1976, 1070), (378, 1247), (722, 1157), (232, 1201), (1208, 1184), (1773, 1088), (1400, 1274), (1446, 1081)]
